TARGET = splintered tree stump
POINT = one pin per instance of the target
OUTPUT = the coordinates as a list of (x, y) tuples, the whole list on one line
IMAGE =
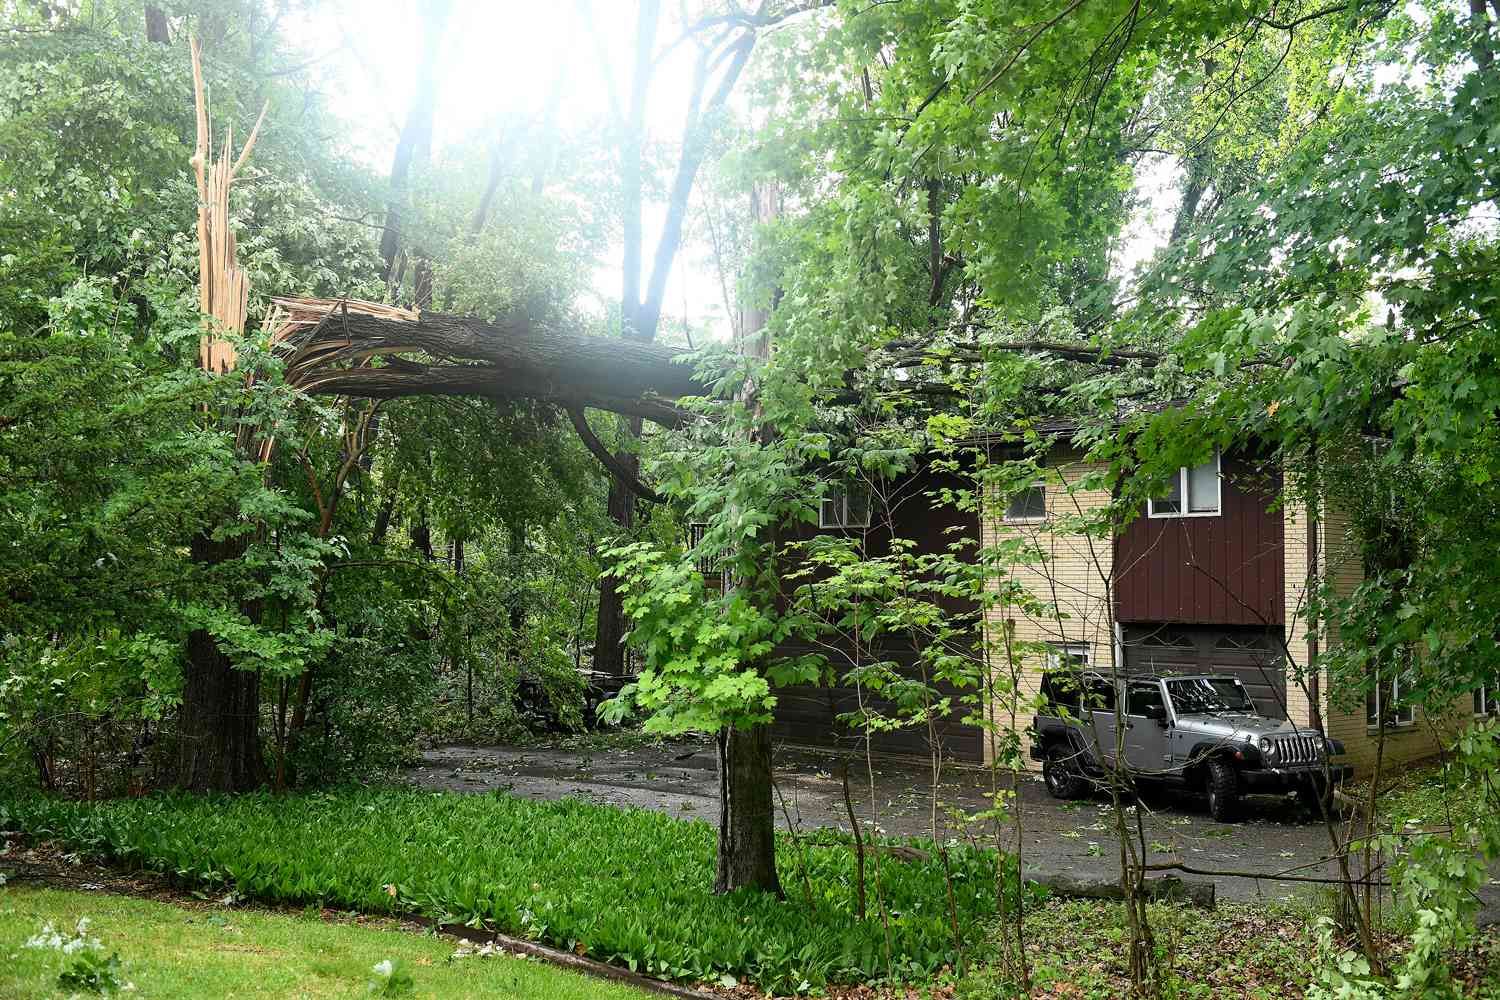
[(1168, 889)]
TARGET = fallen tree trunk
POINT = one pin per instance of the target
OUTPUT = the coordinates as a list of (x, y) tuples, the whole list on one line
[(373, 351), (1168, 889)]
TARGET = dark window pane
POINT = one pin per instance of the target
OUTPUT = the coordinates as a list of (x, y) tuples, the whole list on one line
[(1028, 505), (858, 508), (1101, 694), (1171, 501), (1144, 696)]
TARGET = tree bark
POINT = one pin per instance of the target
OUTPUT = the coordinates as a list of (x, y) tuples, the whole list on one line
[(415, 142), (219, 723), (158, 31), (512, 359), (609, 626), (747, 820)]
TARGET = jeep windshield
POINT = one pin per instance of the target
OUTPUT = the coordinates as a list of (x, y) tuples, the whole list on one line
[(1205, 695)]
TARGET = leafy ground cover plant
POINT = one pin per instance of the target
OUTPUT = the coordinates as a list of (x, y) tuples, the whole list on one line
[(631, 887)]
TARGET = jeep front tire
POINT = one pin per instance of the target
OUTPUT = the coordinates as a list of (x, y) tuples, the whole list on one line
[(1223, 790), (1062, 778), (1316, 796)]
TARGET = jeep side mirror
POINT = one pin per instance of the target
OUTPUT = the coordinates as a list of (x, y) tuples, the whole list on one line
[(1157, 712)]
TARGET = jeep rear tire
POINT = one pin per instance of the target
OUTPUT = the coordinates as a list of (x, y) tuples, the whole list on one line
[(1061, 775), (1223, 790)]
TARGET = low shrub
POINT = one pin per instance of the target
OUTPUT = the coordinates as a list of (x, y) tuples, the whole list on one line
[(632, 887)]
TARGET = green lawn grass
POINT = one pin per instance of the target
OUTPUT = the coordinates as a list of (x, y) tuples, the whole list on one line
[(172, 951)]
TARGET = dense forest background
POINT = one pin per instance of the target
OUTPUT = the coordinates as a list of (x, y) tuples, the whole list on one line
[(410, 580)]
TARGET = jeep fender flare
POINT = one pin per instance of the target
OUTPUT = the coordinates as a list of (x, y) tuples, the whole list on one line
[(1196, 771)]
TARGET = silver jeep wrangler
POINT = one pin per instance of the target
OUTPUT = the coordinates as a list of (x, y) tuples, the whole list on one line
[(1201, 732)]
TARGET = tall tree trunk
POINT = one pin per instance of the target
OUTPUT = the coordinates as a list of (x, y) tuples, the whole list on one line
[(157, 29), (609, 630), (415, 143), (609, 633), (641, 295), (1194, 185), (219, 722), (747, 820)]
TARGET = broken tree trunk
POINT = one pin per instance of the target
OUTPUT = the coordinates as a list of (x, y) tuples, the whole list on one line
[(331, 345), (1169, 889), (218, 723)]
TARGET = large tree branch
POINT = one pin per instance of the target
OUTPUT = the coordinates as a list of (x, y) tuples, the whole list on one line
[(608, 460), (762, 18), (379, 353)]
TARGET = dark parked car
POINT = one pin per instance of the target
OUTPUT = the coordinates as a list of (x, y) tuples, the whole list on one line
[(1199, 732)]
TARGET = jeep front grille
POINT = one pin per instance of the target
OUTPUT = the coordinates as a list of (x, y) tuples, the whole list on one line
[(1293, 750)]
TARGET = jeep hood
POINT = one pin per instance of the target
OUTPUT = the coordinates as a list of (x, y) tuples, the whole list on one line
[(1237, 726)]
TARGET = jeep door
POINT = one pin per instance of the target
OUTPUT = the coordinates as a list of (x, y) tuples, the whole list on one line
[(1101, 695), (1145, 737)]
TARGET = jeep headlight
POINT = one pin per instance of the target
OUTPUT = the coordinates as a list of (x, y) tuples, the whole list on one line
[(1271, 749)]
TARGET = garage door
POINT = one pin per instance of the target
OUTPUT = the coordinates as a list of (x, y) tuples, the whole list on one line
[(810, 716), (1252, 654)]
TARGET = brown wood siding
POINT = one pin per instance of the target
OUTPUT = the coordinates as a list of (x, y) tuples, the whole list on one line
[(807, 714), (1224, 570), (915, 516)]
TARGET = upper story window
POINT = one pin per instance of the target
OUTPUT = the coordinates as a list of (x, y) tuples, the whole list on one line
[(1027, 506), (1194, 492), (1486, 700), (844, 508)]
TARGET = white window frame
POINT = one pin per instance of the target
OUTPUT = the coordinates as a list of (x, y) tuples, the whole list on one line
[(1405, 715), (1489, 702), (1057, 650), (1040, 484), (841, 496), (1182, 491)]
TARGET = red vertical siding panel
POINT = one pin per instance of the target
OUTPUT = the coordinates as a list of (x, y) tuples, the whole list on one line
[(1207, 570)]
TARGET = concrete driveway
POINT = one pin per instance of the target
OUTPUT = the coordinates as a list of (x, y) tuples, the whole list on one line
[(1276, 835)]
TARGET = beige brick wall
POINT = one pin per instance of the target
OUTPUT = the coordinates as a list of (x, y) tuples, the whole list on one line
[(1068, 573), (1346, 721)]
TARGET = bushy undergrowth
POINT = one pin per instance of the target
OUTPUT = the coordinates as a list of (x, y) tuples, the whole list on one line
[(627, 886)]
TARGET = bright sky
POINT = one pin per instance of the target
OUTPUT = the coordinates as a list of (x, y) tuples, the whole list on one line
[(500, 58)]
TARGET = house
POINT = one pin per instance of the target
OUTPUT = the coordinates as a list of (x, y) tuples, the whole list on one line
[(1213, 577)]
